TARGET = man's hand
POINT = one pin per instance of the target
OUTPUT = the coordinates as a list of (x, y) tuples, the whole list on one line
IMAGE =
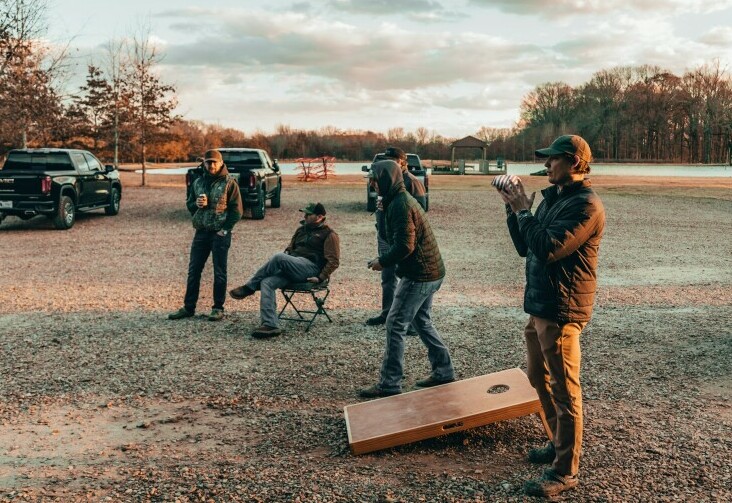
[(314, 279), (375, 265), (202, 201), (516, 198)]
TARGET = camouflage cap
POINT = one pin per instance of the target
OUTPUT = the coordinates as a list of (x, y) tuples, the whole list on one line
[(314, 209)]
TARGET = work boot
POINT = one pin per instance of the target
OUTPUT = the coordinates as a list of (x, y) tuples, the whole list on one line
[(241, 292), (430, 381), (376, 391), (265, 332), (376, 321), (550, 484), (180, 314), (542, 455), (216, 314)]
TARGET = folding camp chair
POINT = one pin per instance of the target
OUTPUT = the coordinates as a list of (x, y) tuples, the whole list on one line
[(315, 291)]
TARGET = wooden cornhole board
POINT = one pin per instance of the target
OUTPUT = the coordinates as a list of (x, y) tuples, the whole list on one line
[(431, 412)]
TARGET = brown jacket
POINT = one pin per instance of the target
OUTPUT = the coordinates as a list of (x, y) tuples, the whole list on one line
[(318, 243)]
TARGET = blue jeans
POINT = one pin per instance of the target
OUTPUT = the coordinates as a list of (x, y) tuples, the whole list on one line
[(279, 271), (413, 304), (207, 243), (388, 278)]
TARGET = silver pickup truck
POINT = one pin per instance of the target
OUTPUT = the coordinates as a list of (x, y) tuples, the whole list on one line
[(414, 164)]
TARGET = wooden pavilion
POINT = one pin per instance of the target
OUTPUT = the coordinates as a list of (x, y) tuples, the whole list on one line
[(468, 142)]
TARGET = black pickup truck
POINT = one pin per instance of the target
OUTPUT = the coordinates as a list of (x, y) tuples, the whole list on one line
[(259, 177), (57, 183), (414, 165)]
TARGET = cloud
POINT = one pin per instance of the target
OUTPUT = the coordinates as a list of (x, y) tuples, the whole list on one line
[(387, 7), (383, 57), (720, 36), (566, 8)]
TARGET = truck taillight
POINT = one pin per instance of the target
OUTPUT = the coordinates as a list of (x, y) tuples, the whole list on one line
[(426, 180), (46, 185), (252, 180)]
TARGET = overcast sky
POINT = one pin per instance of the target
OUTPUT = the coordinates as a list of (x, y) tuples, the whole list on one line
[(451, 66)]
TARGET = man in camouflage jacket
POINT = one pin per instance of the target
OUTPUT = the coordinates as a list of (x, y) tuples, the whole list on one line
[(215, 204)]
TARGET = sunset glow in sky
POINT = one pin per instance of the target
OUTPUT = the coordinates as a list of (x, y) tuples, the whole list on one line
[(451, 66)]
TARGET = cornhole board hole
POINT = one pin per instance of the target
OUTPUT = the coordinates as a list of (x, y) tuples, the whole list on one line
[(431, 412)]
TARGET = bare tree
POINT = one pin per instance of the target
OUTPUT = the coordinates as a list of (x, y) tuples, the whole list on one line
[(151, 101), (21, 21)]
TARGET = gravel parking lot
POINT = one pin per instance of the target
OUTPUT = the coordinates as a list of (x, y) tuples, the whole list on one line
[(102, 398)]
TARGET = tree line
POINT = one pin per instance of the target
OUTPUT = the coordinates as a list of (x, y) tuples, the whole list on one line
[(124, 112)]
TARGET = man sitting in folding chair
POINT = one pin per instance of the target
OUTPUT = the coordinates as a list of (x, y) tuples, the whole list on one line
[(312, 256)]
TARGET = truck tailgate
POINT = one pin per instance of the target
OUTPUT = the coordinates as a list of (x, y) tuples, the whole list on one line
[(20, 185)]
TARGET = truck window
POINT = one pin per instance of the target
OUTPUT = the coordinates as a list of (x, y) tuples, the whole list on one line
[(241, 159), (94, 165), (80, 162), (39, 161)]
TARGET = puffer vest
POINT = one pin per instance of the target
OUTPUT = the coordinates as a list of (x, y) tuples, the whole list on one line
[(309, 242)]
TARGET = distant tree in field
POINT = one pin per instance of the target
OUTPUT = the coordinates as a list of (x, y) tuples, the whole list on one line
[(30, 105), (151, 101), (92, 107), (21, 22)]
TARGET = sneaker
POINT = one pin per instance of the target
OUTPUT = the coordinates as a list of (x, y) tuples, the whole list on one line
[(542, 455), (376, 321), (550, 484), (265, 332), (216, 315), (180, 314), (375, 391), (241, 292), (430, 381)]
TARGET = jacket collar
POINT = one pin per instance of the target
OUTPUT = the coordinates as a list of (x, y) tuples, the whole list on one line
[(221, 174), (552, 193), (312, 227)]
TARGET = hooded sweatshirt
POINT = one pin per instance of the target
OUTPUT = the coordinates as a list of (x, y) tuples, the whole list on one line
[(412, 245)]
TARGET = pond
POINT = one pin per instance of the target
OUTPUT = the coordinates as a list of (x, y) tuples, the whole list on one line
[(661, 170)]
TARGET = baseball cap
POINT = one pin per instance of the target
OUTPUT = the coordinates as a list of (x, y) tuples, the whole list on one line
[(395, 153), (567, 144), (314, 209), (212, 155)]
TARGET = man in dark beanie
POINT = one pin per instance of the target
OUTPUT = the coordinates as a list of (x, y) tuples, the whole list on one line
[(414, 252), (388, 274), (215, 203), (313, 254), (560, 242)]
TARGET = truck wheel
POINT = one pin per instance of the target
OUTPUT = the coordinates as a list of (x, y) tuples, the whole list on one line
[(114, 200), (258, 208), (276, 197), (65, 214), (370, 203)]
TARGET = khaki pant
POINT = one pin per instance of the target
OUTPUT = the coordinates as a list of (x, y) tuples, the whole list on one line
[(553, 354)]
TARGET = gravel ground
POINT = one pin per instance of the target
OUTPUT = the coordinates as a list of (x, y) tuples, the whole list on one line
[(103, 399)]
